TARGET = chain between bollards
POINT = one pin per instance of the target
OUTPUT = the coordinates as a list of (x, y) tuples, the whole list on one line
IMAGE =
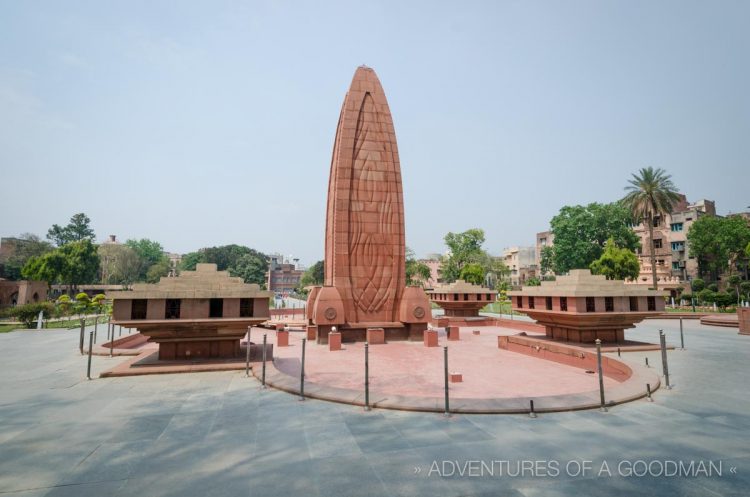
[(602, 407), (664, 366), (367, 376), (263, 377), (91, 342), (302, 372), (447, 401), (247, 354)]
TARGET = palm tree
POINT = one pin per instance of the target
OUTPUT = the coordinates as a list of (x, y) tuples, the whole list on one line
[(651, 194)]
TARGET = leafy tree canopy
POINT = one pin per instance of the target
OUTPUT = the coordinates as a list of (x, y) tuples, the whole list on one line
[(582, 231), (472, 273), (314, 275), (616, 263), (417, 272), (466, 248), (120, 264), (718, 243), (241, 261), (76, 263), (149, 253), (79, 228), (24, 248)]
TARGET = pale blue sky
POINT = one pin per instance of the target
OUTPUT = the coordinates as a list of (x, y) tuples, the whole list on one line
[(206, 123)]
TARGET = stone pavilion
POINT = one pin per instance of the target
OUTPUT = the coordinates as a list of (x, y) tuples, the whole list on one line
[(582, 307), (199, 314)]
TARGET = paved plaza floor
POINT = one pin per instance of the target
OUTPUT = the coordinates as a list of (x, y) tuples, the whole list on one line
[(219, 434)]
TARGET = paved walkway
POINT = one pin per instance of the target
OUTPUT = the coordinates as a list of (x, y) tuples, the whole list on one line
[(218, 434)]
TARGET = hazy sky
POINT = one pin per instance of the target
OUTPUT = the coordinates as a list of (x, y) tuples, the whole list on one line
[(207, 123)]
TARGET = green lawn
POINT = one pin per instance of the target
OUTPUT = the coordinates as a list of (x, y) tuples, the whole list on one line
[(500, 308)]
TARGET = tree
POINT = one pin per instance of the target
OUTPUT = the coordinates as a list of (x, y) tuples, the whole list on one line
[(698, 284), (616, 263), (120, 264), (156, 271), (547, 260), (582, 231), (251, 267), (533, 282), (79, 228), (417, 273), (190, 260), (651, 194), (313, 276), (733, 283), (464, 248), (76, 263), (718, 244), (472, 273), (24, 248), (149, 253)]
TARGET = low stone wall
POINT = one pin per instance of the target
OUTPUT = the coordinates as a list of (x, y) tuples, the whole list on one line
[(565, 354)]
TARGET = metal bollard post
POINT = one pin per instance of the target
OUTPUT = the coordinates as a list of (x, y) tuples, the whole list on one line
[(91, 341), (648, 392), (603, 407), (119, 334), (112, 342), (263, 377), (247, 354), (618, 352), (647, 363), (682, 337), (302, 372), (80, 343), (447, 412), (532, 413), (664, 366), (367, 376)]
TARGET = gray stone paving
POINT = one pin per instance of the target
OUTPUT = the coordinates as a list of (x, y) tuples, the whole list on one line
[(218, 434)]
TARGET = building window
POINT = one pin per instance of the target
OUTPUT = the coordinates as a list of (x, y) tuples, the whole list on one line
[(532, 304), (466, 296), (676, 226), (138, 309), (519, 302), (246, 308), (548, 303), (489, 297), (651, 303), (609, 304), (563, 303), (633, 304), (657, 243), (590, 304), (172, 309), (675, 265), (455, 296), (216, 308)]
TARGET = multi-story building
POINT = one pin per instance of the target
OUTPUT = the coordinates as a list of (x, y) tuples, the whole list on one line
[(674, 265), (284, 273), (521, 261)]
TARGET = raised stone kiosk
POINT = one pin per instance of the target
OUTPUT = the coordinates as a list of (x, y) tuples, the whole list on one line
[(582, 307), (365, 252), (199, 314), (461, 302)]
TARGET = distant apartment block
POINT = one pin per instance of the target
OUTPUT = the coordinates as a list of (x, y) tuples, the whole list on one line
[(522, 263), (284, 273)]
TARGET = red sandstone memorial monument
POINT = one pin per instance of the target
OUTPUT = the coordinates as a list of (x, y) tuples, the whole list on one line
[(199, 314), (365, 248), (582, 307)]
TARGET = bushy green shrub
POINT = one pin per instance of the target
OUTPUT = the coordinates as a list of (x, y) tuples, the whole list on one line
[(28, 313)]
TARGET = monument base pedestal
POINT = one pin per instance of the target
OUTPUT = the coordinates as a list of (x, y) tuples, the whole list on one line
[(358, 332)]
